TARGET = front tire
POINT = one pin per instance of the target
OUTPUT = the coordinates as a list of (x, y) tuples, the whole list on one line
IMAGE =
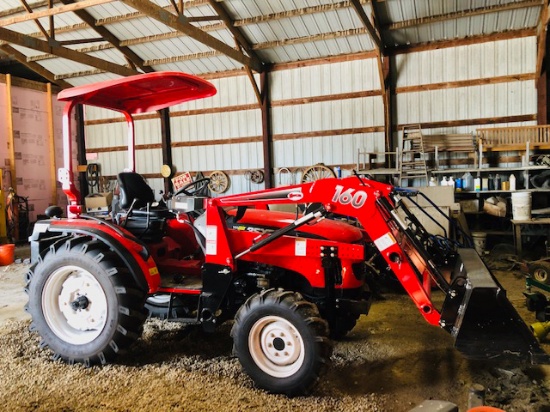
[(84, 304), (281, 342)]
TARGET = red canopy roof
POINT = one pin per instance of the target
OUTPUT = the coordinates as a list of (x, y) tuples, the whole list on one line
[(141, 93)]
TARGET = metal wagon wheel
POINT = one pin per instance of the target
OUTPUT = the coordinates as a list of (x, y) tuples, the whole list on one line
[(219, 182), (316, 172)]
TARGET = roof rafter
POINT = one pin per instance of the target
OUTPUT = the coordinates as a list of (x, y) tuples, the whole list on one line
[(356, 4), (181, 24), (463, 13), (241, 41), (35, 67), (53, 47), (110, 37)]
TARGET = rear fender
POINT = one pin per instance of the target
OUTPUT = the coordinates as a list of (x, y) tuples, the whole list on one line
[(130, 250)]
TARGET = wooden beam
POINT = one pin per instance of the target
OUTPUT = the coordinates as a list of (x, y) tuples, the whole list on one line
[(466, 83), (309, 39), (36, 21), (326, 98), (111, 38), (267, 133), (356, 4), (230, 24), (323, 133), (166, 145), (21, 9), (462, 14), (474, 122), (11, 136), (35, 67), (177, 23), (542, 28), (53, 11), (443, 44), (53, 48), (51, 140)]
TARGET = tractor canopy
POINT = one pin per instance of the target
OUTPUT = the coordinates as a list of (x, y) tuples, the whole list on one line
[(142, 93), (128, 95)]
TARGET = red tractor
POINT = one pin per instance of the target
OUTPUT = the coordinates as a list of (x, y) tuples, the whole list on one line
[(289, 280)]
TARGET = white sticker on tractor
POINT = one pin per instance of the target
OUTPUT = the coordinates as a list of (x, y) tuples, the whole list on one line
[(300, 247), (211, 239), (385, 241)]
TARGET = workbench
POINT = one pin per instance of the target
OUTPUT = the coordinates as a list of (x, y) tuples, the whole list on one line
[(517, 225)]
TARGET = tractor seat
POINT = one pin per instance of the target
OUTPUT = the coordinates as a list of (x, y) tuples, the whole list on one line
[(138, 215), (137, 195)]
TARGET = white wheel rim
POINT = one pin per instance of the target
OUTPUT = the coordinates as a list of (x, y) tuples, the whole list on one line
[(74, 323), (276, 346)]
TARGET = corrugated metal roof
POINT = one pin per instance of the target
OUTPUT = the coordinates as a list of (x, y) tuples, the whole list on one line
[(277, 31)]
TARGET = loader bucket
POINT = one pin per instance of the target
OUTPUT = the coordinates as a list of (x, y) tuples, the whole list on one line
[(480, 317)]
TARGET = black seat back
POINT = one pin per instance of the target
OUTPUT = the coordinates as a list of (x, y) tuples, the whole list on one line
[(134, 187)]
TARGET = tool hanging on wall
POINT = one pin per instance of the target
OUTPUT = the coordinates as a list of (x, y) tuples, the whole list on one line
[(93, 177)]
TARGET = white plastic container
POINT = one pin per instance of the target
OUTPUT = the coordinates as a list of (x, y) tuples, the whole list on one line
[(468, 181), (512, 180), (480, 240), (477, 184), (521, 205)]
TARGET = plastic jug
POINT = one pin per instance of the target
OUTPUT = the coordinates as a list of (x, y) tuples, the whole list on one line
[(468, 181), (512, 180)]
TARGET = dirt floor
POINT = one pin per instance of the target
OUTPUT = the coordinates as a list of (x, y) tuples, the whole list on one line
[(392, 361)]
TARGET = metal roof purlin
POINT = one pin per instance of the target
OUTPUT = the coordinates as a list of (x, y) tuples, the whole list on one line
[(177, 23), (132, 57)]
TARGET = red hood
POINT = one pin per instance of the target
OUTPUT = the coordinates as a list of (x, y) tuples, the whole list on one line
[(327, 229)]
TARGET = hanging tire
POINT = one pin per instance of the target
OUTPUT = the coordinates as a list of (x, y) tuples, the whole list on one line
[(281, 342), (84, 304), (540, 271)]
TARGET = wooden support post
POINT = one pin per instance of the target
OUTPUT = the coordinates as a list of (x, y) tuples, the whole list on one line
[(51, 139), (166, 142), (11, 136), (81, 150), (267, 135)]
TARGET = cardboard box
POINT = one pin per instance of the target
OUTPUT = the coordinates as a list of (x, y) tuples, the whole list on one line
[(98, 202)]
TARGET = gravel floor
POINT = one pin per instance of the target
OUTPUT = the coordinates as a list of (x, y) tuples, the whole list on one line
[(391, 361)]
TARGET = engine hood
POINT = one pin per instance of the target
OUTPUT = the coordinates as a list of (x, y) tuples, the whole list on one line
[(262, 220)]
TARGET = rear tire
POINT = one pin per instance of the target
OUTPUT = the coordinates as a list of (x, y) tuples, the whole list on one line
[(281, 342), (83, 302)]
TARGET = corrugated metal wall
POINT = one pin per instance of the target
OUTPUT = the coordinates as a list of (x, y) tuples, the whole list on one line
[(214, 134), (478, 61)]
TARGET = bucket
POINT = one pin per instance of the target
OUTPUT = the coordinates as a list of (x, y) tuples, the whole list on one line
[(480, 239), (6, 254), (521, 205)]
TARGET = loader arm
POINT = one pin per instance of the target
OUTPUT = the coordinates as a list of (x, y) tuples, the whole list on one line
[(475, 312), (368, 201)]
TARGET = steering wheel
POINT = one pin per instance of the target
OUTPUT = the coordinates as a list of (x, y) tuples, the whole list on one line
[(197, 186)]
